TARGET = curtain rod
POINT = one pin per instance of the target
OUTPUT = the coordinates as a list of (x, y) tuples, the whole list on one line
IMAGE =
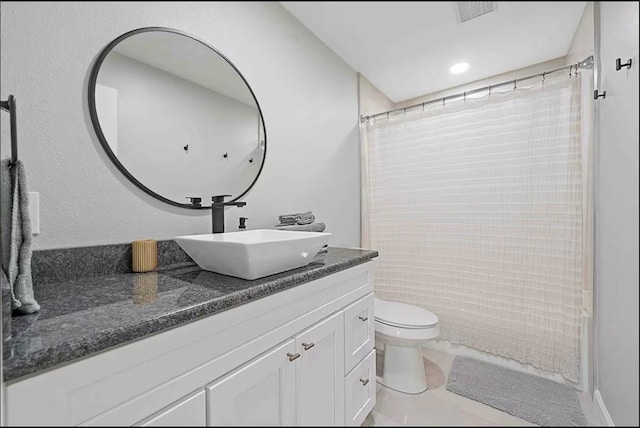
[(585, 63)]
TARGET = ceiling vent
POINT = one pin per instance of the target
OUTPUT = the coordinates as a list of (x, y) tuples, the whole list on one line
[(472, 9)]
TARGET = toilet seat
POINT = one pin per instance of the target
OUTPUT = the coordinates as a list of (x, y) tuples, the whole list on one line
[(402, 315)]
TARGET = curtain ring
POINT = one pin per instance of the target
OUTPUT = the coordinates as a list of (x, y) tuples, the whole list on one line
[(543, 76), (490, 90), (515, 84), (464, 97), (444, 102)]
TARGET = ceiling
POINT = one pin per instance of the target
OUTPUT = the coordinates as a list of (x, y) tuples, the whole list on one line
[(406, 48)]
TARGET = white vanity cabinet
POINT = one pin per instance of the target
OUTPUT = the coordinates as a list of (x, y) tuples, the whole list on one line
[(302, 356), (261, 393), (187, 412), (298, 383), (319, 373), (358, 331), (360, 360)]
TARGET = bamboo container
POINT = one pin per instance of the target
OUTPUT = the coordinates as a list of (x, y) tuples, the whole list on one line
[(144, 255)]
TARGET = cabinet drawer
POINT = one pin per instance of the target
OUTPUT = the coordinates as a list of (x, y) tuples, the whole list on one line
[(190, 411), (358, 331), (360, 390)]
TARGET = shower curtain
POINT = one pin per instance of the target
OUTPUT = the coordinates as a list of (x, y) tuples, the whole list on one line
[(476, 208)]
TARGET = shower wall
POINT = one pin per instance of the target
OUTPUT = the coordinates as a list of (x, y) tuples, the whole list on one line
[(617, 216)]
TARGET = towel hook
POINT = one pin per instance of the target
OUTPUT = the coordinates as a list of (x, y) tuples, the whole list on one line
[(619, 64)]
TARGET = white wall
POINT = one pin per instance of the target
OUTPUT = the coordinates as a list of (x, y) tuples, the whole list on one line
[(372, 100), (582, 43), (617, 215), (308, 96), (493, 80), (153, 132)]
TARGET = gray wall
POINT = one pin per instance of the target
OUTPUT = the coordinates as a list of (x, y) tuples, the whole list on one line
[(308, 96), (617, 216)]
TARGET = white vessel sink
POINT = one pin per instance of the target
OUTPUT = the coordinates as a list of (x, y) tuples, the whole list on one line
[(253, 254)]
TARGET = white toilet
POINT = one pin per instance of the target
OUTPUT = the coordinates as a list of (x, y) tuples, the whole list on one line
[(404, 328)]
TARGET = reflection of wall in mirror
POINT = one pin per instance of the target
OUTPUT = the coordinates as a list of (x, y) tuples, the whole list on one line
[(107, 109), (160, 113)]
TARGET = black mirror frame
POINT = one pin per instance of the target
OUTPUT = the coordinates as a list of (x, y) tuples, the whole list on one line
[(93, 78)]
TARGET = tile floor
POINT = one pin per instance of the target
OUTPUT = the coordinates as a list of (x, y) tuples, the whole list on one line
[(439, 407)]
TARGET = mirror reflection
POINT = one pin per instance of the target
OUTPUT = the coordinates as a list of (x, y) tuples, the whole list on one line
[(177, 118)]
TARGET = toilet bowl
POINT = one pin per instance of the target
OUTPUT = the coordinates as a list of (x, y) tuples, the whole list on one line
[(404, 328)]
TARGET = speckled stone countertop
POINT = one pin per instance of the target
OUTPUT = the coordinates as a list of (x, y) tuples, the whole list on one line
[(83, 316)]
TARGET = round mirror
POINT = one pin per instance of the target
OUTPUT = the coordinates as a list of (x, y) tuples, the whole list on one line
[(177, 117)]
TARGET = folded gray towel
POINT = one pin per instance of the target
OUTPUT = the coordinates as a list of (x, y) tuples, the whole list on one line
[(16, 236), (306, 219), (313, 227), (294, 215), (297, 218)]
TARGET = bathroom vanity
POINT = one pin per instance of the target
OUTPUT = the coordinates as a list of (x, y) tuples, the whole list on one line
[(188, 347)]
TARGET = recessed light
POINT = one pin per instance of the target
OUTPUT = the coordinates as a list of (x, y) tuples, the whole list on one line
[(458, 68)]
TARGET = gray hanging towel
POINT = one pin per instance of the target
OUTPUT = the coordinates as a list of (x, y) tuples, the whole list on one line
[(16, 236)]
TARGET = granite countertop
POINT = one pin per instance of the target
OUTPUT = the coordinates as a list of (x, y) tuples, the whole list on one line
[(83, 316)]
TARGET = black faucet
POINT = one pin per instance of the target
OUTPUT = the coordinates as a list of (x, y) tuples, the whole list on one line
[(217, 211)]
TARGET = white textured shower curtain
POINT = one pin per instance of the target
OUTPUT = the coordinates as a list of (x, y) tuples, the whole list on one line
[(476, 209)]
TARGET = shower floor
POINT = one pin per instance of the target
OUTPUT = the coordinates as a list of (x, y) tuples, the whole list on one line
[(439, 407)]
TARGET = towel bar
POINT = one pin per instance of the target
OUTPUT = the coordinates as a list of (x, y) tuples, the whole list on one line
[(10, 106)]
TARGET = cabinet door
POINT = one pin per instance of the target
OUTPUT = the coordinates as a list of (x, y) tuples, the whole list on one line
[(320, 373), (360, 390), (261, 393), (358, 331), (189, 412)]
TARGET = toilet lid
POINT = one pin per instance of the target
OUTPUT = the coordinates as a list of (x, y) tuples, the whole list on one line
[(403, 315)]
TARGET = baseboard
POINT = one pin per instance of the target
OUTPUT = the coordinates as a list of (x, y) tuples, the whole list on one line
[(601, 409)]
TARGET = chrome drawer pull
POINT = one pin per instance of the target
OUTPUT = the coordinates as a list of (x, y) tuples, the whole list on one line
[(363, 318), (293, 356), (308, 346), (364, 381)]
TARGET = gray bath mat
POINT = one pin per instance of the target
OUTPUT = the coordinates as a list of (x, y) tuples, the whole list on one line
[(532, 398)]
